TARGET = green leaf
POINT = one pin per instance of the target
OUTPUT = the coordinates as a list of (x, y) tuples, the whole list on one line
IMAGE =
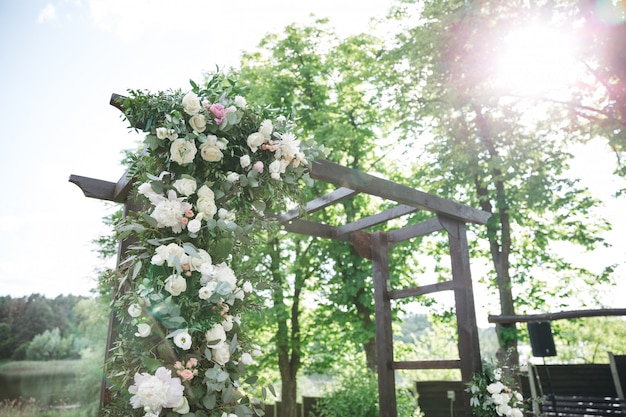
[(136, 269), (209, 401), (152, 364)]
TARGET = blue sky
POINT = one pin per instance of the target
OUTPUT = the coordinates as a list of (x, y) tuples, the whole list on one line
[(60, 60)]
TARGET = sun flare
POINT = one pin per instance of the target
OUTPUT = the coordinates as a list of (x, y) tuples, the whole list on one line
[(536, 59)]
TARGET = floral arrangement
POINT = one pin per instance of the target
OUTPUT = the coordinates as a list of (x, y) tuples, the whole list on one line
[(210, 167), (492, 395)]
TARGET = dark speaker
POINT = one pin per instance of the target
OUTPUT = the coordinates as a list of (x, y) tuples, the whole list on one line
[(541, 339)]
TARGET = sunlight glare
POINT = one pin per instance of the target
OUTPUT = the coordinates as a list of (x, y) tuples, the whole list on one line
[(535, 60)]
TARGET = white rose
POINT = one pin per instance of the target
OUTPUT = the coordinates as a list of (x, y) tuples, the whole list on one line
[(497, 374), (495, 388), (240, 102), (194, 225), (208, 270), (162, 132), (146, 190), (143, 330), (134, 310), (210, 153), (221, 353), (185, 186), (516, 412), (183, 340), (198, 123), (196, 262), (232, 177), (223, 273), (183, 407), (247, 287), (246, 359), (256, 350), (205, 191), (226, 215), (255, 140), (183, 151), (171, 253), (206, 292), (216, 333), (239, 294), (275, 169), (266, 128), (191, 103), (245, 161), (175, 284), (227, 323), (206, 206)]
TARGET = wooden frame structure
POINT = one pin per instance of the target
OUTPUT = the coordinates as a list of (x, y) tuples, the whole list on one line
[(447, 216)]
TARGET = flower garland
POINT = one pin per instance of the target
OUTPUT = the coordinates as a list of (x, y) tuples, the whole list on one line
[(210, 166), (492, 396)]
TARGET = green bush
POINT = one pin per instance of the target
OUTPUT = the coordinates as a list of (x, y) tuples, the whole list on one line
[(356, 394), (51, 345)]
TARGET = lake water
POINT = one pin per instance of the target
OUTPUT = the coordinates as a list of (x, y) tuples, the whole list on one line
[(47, 389)]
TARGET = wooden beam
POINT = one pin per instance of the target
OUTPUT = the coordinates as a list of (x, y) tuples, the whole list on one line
[(317, 204), (104, 190), (350, 178), (384, 336), (434, 364), (576, 314), (382, 217), (305, 227), (415, 230), (421, 290)]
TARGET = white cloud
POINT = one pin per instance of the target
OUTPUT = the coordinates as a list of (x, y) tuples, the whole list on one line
[(47, 13)]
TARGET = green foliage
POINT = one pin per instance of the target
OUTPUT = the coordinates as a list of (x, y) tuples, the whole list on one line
[(356, 393), (51, 345)]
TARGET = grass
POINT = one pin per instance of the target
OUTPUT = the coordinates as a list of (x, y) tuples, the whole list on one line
[(30, 408), (27, 368)]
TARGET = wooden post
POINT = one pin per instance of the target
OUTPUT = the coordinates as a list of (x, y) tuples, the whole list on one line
[(384, 336), (469, 348)]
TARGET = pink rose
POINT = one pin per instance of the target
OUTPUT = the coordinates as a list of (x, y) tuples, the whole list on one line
[(185, 374), (258, 166), (219, 112)]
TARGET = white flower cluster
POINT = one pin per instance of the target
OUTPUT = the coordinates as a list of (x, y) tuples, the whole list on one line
[(503, 400)]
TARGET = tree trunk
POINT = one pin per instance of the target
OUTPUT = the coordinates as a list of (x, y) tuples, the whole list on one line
[(499, 235)]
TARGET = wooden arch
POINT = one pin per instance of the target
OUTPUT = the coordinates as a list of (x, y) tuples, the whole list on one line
[(447, 216)]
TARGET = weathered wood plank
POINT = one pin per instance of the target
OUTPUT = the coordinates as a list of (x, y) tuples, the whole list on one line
[(305, 227), (576, 314), (93, 188), (317, 204), (362, 182), (432, 364), (384, 335), (376, 219), (415, 230), (421, 290)]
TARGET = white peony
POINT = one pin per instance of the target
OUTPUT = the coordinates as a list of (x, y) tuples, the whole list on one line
[(183, 151), (495, 388), (155, 392), (173, 254), (191, 104), (289, 147), (227, 323), (247, 287), (146, 190), (275, 169), (175, 284), (196, 262)]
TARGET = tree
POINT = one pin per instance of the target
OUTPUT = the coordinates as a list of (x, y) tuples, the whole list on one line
[(486, 152)]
